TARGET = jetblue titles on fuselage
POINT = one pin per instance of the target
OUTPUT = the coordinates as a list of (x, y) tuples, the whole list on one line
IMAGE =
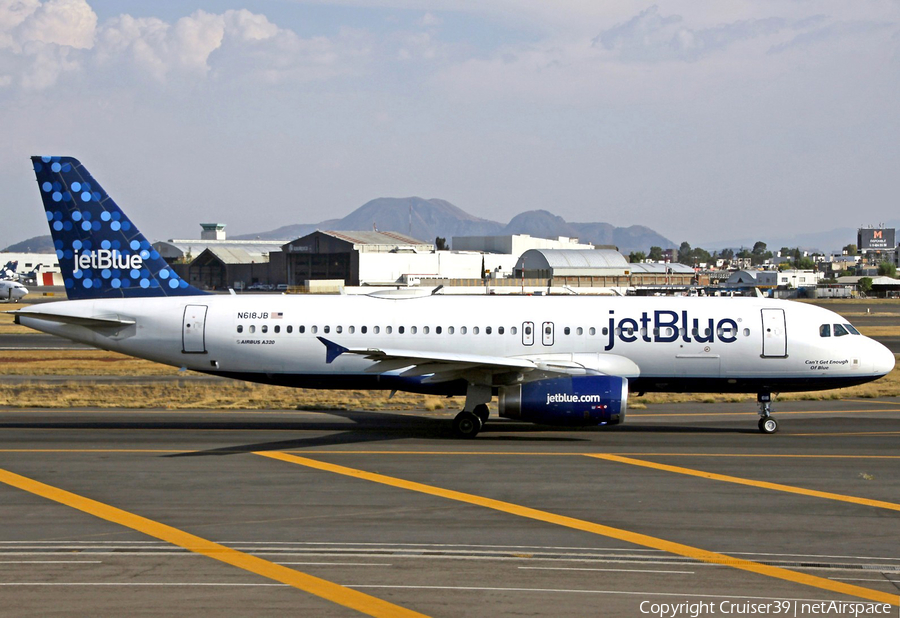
[(664, 326)]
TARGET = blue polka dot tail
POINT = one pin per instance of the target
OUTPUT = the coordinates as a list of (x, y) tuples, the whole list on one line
[(101, 252)]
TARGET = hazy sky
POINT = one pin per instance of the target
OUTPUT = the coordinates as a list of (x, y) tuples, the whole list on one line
[(699, 118)]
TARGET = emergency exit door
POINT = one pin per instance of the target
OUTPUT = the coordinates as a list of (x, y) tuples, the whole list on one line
[(547, 333), (193, 332), (774, 333)]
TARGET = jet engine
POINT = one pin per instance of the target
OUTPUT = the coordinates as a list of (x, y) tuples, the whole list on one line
[(570, 400)]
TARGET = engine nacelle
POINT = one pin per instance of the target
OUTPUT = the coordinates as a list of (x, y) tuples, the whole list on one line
[(575, 400)]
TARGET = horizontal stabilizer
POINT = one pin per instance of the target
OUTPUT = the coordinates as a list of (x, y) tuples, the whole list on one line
[(78, 320)]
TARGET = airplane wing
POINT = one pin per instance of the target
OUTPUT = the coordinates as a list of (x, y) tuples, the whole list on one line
[(443, 366)]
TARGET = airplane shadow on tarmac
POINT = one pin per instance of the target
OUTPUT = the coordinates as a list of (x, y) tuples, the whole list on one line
[(369, 427)]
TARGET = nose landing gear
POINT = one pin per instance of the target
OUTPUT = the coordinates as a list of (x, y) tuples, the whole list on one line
[(767, 423)]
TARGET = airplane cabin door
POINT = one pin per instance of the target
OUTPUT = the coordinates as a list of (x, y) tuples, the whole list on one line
[(547, 333), (193, 331), (774, 333), (527, 333)]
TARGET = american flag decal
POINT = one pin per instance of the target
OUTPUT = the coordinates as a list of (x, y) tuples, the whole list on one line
[(277, 315)]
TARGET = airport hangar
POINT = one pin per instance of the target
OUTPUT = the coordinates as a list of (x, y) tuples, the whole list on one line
[(390, 259)]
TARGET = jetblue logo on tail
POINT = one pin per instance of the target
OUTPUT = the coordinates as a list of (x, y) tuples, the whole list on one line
[(108, 259)]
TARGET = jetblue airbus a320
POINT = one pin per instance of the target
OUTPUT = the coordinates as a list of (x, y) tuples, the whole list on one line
[(553, 360)]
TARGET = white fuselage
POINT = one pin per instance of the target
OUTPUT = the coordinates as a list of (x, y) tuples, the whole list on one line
[(11, 291), (658, 343)]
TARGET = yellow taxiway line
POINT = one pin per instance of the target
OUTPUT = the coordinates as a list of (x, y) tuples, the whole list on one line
[(594, 528), (325, 589), (749, 482)]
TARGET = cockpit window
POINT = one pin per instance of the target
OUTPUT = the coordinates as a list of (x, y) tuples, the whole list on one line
[(825, 330), (840, 331), (852, 330)]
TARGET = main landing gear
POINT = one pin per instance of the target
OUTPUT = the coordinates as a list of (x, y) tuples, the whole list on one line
[(475, 413), (767, 423)]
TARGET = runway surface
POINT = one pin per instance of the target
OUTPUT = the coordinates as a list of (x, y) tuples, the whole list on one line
[(123, 512)]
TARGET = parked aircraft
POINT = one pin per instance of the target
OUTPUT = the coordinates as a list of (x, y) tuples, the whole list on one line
[(8, 272), (11, 291), (559, 360)]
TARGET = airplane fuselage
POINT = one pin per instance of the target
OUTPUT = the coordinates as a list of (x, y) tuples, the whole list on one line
[(658, 343)]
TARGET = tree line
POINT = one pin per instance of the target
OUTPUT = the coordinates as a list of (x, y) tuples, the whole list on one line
[(694, 256)]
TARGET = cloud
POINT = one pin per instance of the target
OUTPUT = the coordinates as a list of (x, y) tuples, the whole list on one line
[(42, 42), (651, 37)]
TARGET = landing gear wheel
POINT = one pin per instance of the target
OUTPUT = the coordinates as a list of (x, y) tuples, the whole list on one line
[(482, 412), (768, 425), (466, 425)]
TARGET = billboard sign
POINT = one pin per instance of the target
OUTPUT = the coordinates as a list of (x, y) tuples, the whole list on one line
[(876, 239)]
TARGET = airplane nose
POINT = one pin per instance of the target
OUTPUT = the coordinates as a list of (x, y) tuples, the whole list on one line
[(882, 359)]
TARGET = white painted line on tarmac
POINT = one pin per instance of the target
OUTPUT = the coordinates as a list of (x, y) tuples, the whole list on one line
[(643, 593), (51, 562), (338, 564), (606, 570), (853, 579)]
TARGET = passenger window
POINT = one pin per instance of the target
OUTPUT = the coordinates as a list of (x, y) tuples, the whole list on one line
[(451, 330), (746, 332), (528, 330), (487, 330), (840, 331), (579, 331), (605, 331), (426, 330), (326, 329), (462, 330), (338, 329), (277, 329), (825, 330), (475, 330), (314, 329), (265, 328), (240, 328), (377, 329), (437, 330), (290, 329), (499, 330), (301, 329), (566, 330), (351, 329), (412, 330), (363, 329), (387, 330), (252, 328), (852, 330), (513, 330), (593, 331), (401, 329)]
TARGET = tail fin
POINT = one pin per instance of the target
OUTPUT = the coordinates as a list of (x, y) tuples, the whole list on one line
[(101, 253)]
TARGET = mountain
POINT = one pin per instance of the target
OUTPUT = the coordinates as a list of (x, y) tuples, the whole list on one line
[(428, 219), (37, 244), (417, 217)]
